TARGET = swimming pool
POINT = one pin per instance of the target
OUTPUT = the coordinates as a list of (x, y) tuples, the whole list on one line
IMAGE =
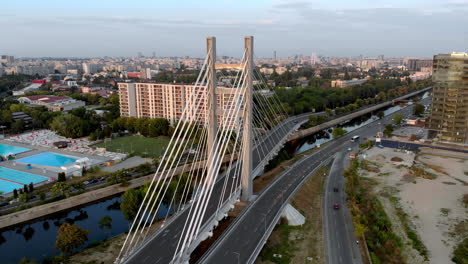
[(7, 149), (48, 159), (13, 179)]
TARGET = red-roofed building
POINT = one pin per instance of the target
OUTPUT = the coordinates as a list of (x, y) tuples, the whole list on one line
[(52, 102), (134, 74)]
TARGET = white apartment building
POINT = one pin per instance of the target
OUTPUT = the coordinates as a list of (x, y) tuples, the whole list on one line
[(158, 100)]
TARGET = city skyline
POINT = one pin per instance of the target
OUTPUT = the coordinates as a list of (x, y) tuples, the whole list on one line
[(341, 28)]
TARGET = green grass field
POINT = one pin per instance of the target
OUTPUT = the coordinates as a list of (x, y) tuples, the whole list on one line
[(136, 144)]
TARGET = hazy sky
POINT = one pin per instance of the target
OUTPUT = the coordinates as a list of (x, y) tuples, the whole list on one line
[(95, 28)]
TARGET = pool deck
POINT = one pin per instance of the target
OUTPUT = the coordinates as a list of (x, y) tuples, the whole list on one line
[(47, 171)]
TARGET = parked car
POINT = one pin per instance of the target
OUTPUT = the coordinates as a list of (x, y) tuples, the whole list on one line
[(336, 206), (3, 204), (335, 189), (86, 182), (93, 181)]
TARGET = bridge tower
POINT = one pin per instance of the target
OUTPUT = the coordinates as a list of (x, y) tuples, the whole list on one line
[(211, 98), (246, 174)]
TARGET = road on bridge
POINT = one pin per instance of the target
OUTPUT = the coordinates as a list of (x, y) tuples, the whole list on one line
[(244, 239), (160, 247)]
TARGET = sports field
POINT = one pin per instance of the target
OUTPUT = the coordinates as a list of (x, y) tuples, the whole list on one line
[(136, 144)]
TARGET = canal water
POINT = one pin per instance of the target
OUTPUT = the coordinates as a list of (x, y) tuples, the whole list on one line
[(37, 239)]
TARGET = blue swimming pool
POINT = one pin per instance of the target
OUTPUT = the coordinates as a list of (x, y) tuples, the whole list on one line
[(7, 187), (20, 177), (7, 149), (48, 159)]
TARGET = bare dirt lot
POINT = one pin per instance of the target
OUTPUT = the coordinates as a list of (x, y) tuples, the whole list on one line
[(424, 193)]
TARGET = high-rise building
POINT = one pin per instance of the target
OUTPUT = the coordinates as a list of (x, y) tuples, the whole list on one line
[(416, 64), (155, 100), (449, 117), (7, 59)]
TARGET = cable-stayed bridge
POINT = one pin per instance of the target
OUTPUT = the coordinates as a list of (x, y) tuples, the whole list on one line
[(252, 127)]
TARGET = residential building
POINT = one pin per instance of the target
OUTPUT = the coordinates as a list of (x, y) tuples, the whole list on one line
[(343, 83), (449, 117), (7, 59), (52, 102), (417, 64), (168, 100)]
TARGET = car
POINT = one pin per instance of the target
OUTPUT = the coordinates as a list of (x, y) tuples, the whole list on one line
[(93, 181), (336, 206), (4, 204), (86, 182), (349, 149), (335, 189), (102, 178)]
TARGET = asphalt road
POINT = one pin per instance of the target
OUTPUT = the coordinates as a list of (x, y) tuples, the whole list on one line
[(161, 246), (242, 239), (341, 246)]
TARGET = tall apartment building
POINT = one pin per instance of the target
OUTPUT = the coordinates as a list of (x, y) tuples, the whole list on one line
[(168, 101), (449, 117), (417, 64)]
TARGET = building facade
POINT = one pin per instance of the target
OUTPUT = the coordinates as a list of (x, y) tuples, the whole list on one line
[(449, 117), (157, 100), (346, 83), (52, 102), (417, 64)]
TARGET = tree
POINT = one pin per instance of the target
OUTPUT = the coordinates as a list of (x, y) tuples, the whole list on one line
[(18, 126), (131, 201), (61, 189), (31, 187), (79, 186), (118, 177), (23, 197), (25, 188), (70, 237), (68, 125), (15, 193), (61, 177), (418, 109), (388, 130), (398, 118), (380, 114), (338, 132)]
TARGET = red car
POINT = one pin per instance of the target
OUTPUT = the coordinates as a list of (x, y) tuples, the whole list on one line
[(336, 206)]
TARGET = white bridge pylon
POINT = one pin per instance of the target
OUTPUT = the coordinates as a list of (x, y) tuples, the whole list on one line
[(209, 161)]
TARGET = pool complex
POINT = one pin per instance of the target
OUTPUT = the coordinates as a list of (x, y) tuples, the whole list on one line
[(48, 159), (7, 149), (13, 179)]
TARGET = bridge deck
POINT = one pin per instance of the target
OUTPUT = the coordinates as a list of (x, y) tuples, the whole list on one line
[(161, 246)]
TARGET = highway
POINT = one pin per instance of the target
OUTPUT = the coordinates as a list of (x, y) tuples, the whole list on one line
[(340, 241), (243, 240)]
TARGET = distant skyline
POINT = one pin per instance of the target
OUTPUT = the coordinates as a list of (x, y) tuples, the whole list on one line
[(86, 28)]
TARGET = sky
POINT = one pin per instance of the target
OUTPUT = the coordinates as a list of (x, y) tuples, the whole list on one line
[(96, 28)]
